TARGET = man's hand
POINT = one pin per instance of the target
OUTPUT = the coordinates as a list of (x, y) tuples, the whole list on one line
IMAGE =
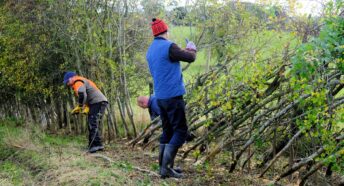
[(76, 110), (191, 46)]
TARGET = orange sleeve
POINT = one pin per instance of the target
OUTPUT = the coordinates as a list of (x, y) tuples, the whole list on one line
[(76, 87)]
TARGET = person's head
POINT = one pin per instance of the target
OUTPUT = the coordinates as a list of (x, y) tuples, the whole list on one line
[(143, 101), (159, 28), (67, 77)]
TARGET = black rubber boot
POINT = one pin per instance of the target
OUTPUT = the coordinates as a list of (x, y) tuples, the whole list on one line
[(166, 170), (161, 154), (96, 148), (177, 169)]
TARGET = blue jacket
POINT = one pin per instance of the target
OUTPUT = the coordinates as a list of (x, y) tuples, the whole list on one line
[(167, 74), (153, 107)]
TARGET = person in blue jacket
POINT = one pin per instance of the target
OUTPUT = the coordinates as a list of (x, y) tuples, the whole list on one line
[(164, 58), (151, 103)]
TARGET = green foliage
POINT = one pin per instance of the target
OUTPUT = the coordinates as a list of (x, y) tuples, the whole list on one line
[(313, 61), (93, 40), (327, 49)]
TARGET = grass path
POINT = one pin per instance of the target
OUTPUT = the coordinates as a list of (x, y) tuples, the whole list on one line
[(30, 157)]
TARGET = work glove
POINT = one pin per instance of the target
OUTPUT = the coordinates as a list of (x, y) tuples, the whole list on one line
[(191, 46), (81, 110), (85, 110), (76, 110)]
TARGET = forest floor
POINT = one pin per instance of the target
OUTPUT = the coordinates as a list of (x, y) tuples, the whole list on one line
[(31, 157)]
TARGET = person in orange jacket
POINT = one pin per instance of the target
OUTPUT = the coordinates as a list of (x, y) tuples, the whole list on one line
[(91, 101)]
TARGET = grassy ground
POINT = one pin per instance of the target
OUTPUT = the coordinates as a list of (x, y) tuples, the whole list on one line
[(31, 157)]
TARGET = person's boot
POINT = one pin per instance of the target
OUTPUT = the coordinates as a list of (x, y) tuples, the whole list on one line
[(161, 154), (95, 145), (96, 148), (169, 155), (177, 169)]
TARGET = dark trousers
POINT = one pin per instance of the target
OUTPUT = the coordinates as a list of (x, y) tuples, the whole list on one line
[(95, 115), (172, 114)]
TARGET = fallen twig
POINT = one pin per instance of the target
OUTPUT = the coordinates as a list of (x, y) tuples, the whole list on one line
[(108, 159)]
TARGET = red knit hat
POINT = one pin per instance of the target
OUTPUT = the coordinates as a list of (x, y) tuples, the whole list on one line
[(158, 26)]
